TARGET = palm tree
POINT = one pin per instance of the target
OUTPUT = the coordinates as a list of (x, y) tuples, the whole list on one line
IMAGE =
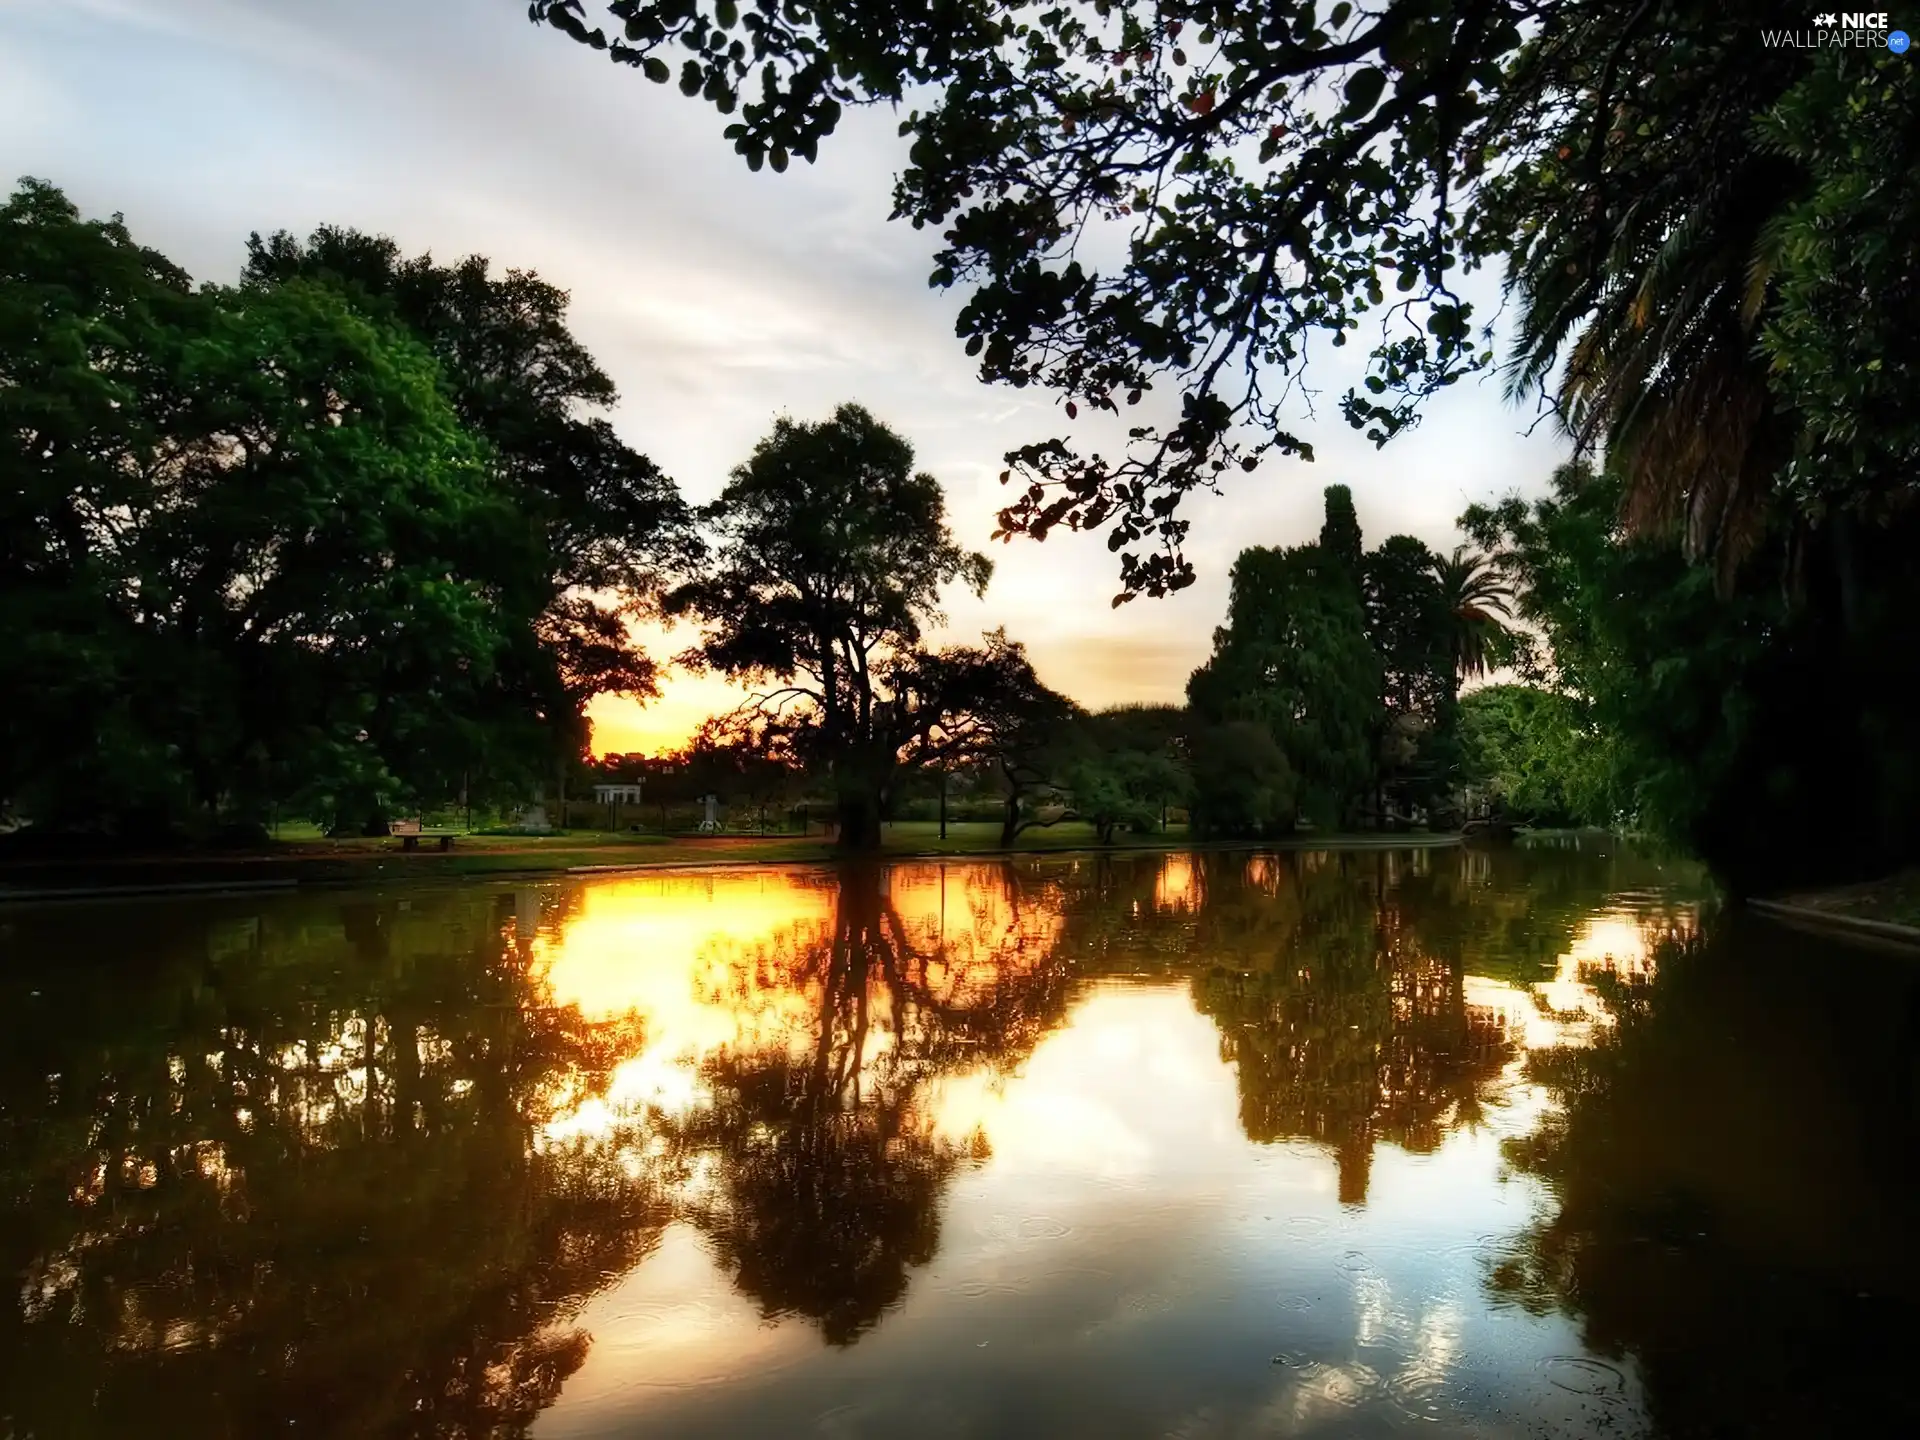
[(1477, 601), (1645, 280)]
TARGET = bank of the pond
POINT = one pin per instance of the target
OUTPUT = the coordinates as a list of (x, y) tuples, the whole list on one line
[(1887, 909), (360, 862)]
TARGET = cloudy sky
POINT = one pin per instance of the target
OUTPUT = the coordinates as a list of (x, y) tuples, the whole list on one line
[(715, 297)]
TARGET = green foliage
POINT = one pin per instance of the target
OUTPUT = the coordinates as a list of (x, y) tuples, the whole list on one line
[(830, 551), (1242, 783), (257, 554), (1532, 753), (1705, 237), (1761, 729), (1340, 531), (1260, 220), (1407, 622), (1840, 338), (1294, 656), (1474, 604), (1127, 768), (608, 521)]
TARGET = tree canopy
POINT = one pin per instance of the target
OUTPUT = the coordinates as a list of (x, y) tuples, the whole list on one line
[(829, 555), (1280, 174), (1294, 657), (256, 554)]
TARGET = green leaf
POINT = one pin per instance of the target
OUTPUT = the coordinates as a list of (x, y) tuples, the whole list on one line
[(656, 69), (1363, 91)]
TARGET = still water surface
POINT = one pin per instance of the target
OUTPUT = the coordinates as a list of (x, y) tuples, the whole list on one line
[(1522, 1143)]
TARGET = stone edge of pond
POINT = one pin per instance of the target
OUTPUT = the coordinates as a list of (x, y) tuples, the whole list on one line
[(1850, 927), (365, 873)]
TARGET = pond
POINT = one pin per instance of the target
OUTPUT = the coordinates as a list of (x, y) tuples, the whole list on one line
[(1533, 1142)]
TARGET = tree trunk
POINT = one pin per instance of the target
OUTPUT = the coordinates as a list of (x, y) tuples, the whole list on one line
[(859, 816), (1010, 827), (1847, 571)]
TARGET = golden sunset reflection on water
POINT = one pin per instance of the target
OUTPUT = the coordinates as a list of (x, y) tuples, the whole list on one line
[(707, 964), (1098, 1134), (1567, 1008), (1081, 1144)]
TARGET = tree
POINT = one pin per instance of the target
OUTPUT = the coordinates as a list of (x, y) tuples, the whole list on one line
[(1273, 166), (610, 523), (744, 755), (1475, 600), (89, 321), (984, 707), (1406, 621), (253, 535), (830, 552), (1688, 220), (1533, 753), (1242, 783), (1340, 539), (1757, 728), (1294, 656), (1413, 738), (1049, 124), (1125, 767)]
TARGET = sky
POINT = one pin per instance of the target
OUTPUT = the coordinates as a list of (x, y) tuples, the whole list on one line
[(716, 298)]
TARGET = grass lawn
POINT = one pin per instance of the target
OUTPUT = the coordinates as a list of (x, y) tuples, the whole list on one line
[(301, 855), (1893, 901)]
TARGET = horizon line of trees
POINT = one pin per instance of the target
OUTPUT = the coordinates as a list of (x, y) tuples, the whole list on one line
[(352, 538), (1711, 279)]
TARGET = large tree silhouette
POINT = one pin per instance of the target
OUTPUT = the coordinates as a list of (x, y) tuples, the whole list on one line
[(830, 1166), (290, 1169)]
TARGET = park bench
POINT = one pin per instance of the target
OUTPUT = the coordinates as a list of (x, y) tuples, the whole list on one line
[(411, 833)]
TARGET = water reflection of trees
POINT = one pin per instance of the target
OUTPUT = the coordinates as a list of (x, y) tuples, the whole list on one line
[(1344, 1027), (1731, 1166), (1337, 978), (283, 1169), (827, 1164), (346, 1160), (324, 1164)]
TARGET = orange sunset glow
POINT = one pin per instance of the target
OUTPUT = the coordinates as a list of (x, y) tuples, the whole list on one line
[(713, 963)]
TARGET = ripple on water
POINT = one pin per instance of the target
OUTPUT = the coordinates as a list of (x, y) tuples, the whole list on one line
[(1356, 1263), (1304, 1226), (671, 1312), (1044, 1227), (1342, 1387), (1422, 1394), (1030, 1227), (978, 1289), (1583, 1375), (1476, 1248)]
